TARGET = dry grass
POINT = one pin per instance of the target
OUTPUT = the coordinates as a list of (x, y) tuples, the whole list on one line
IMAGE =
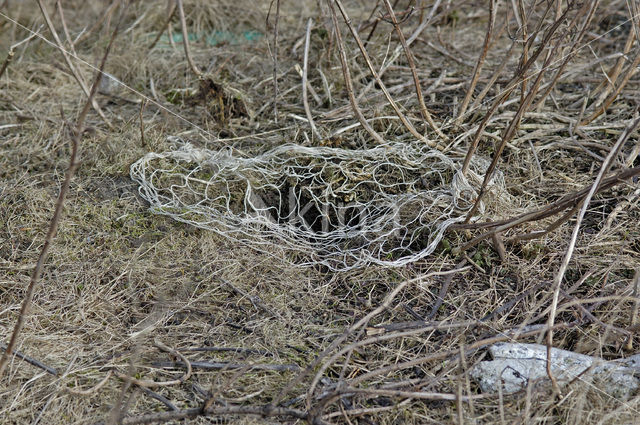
[(119, 278)]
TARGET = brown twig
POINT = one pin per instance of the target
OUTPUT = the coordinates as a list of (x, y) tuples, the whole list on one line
[(362, 322), (604, 169), (104, 16), (171, 11), (275, 57), (229, 366), (480, 62), (492, 81), (375, 75), (511, 85), (471, 348), (567, 58), (74, 162), (609, 81), (185, 41), (347, 79), (154, 384), (511, 130), (423, 108), (305, 99), (65, 29), (12, 51), (421, 395), (31, 361), (162, 399), (72, 68), (631, 70), (568, 201), (359, 324), (374, 26), (633, 319), (92, 390), (443, 291), (264, 411), (143, 104), (523, 21)]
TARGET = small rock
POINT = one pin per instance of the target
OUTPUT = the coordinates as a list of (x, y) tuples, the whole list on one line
[(515, 365)]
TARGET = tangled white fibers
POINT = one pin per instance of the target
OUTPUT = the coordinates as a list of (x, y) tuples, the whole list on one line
[(389, 205)]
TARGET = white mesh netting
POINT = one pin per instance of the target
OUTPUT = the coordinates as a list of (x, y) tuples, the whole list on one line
[(389, 205)]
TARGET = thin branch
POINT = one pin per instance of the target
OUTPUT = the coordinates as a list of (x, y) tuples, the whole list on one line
[(72, 68), (92, 390), (229, 366), (171, 11), (572, 52), (423, 108), (471, 348), (511, 85), (633, 319), (154, 384), (347, 80), (568, 201), (375, 75), (363, 322), (74, 162), (604, 169), (360, 323), (264, 411), (631, 70), (305, 98), (481, 59), (511, 130), (185, 41), (31, 361), (12, 51), (104, 16), (275, 58)]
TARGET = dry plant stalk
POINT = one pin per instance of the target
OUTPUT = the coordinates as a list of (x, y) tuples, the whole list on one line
[(347, 79), (275, 57), (633, 319), (612, 75), (520, 74), (480, 62), (12, 51), (305, 98), (572, 200), (171, 11), (74, 162), (154, 384), (375, 75), (604, 169), (423, 108), (72, 67), (185, 41), (523, 22), (104, 16), (631, 70), (339, 340), (511, 130), (573, 50)]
